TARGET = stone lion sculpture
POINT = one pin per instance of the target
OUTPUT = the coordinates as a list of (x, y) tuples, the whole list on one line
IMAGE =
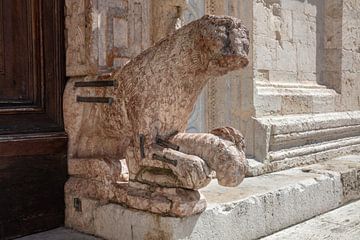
[(145, 114)]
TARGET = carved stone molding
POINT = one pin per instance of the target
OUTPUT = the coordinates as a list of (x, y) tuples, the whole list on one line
[(78, 23), (103, 35), (213, 7)]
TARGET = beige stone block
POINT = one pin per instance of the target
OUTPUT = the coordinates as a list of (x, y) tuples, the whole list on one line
[(283, 76), (262, 140), (285, 26), (294, 5), (82, 217), (268, 104), (262, 75), (307, 77), (307, 55), (311, 8), (351, 5), (264, 53), (348, 167), (301, 16), (296, 104), (246, 96), (263, 20), (304, 31), (286, 56), (247, 129), (350, 61), (351, 184), (323, 104)]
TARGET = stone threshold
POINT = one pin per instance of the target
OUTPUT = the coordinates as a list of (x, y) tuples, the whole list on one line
[(260, 206)]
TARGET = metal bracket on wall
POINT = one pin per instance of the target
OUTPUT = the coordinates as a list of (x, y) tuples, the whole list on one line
[(107, 100), (164, 159), (142, 145), (77, 205), (105, 83)]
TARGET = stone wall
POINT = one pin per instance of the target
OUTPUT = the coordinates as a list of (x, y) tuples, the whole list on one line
[(350, 56), (287, 36), (302, 78), (104, 34)]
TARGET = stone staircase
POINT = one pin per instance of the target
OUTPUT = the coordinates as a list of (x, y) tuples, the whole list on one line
[(289, 141)]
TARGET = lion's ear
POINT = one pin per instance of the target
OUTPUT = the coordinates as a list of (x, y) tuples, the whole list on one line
[(230, 134)]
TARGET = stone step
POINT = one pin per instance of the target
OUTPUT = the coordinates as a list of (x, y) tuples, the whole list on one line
[(289, 141), (260, 206), (294, 99), (342, 223)]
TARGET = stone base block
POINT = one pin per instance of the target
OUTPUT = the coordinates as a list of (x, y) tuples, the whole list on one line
[(104, 170), (177, 202), (260, 206), (297, 98)]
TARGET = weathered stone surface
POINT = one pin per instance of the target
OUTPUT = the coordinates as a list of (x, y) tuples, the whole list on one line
[(342, 223), (104, 35), (139, 115), (103, 170), (81, 220), (304, 55), (349, 169), (165, 201), (294, 140), (217, 149), (60, 233), (88, 188), (261, 206), (75, 112)]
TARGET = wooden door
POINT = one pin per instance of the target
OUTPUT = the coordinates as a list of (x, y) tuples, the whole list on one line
[(32, 139)]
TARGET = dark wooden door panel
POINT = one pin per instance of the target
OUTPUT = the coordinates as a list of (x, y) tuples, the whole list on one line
[(33, 143), (2, 59), (32, 178), (20, 82)]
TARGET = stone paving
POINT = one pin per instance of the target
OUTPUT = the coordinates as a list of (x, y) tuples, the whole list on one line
[(59, 234), (342, 223)]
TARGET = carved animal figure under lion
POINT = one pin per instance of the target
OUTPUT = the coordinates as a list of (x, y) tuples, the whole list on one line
[(142, 113)]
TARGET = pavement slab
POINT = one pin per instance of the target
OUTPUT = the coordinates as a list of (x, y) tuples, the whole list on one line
[(342, 223)]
